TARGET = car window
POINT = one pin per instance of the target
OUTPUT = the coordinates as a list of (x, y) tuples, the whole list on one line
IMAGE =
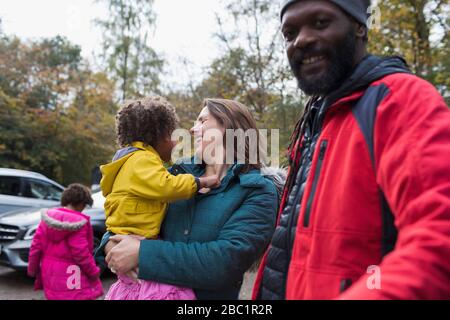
[(9, 185), (41, 190)]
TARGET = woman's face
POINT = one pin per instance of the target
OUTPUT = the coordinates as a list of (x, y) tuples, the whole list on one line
[(204, 133)]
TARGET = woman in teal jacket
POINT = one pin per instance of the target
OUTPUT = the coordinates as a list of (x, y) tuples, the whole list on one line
[(211, 240)]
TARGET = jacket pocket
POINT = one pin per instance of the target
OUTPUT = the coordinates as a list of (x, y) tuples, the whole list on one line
[(322, 152), (139, 207)]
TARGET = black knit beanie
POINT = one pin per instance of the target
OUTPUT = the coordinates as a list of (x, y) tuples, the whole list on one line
[(358, 9)]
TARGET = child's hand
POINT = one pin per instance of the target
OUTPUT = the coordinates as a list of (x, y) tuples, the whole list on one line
[(210, 182)]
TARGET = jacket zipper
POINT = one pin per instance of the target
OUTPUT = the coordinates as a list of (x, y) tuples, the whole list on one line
[(188, 229), (292, 213), (307, 217), (317, 123), (192, 202)]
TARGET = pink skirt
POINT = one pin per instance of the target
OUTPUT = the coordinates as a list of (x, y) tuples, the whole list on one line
[(127, 289)]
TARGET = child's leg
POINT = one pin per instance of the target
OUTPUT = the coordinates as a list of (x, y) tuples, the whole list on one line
[(124, 289), (151, 290)]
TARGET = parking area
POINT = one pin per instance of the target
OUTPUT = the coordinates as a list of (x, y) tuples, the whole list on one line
[(17, 286)]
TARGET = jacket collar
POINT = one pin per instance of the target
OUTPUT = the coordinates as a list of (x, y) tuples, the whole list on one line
[(135, 146), (252, 179), (141, 146), (369, 70)]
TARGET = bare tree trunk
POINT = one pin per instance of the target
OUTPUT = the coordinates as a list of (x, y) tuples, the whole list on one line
[(422, 31), (125, 76)]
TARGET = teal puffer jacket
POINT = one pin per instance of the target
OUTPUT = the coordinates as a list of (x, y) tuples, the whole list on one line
[(211, 240)]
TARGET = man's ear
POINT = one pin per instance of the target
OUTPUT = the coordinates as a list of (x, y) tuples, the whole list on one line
[(361, 31)]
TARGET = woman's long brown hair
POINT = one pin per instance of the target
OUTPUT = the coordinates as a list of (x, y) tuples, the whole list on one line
[(234, 115)]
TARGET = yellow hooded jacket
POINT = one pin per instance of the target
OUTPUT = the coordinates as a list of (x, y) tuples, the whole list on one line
[(138, 189)]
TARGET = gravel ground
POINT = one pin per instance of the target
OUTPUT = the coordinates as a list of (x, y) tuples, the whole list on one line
[(17, 286)]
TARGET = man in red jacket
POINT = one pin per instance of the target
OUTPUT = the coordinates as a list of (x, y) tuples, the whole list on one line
[(366, 208)]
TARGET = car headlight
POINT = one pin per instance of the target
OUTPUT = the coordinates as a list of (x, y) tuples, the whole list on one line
[(30, 233)]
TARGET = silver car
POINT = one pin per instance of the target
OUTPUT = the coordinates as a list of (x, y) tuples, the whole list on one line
[(21, 189), (17, 230)]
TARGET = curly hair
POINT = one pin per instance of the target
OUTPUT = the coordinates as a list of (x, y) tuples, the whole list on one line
[(76, 194), (147, 120)]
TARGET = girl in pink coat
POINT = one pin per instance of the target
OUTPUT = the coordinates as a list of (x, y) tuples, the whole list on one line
[(61, 252)]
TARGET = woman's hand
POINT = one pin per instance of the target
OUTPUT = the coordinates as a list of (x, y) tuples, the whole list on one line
[(109, 245), (123, 254)]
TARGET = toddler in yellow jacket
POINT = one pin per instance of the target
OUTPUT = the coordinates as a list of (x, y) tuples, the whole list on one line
[(136, 184), (138, 187)]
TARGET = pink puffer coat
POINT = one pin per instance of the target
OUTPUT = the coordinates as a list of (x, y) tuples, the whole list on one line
[(61, 257)]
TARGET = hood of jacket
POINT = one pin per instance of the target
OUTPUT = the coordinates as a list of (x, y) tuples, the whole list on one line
[(62, 222), (110, 171), (369, 70), (278, 176)]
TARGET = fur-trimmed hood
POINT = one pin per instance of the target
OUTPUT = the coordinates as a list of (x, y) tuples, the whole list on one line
[(62, 222), (278, 176), (62, 241)]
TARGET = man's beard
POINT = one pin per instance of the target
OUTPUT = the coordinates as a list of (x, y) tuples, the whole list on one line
[(341, 62)]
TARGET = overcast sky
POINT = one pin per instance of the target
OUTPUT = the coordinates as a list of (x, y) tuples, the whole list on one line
[(184, 28)]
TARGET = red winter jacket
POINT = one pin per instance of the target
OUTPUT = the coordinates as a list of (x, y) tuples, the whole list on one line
[(400, 148)]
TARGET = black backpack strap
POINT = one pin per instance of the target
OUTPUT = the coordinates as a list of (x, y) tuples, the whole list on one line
[(365, 110)]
